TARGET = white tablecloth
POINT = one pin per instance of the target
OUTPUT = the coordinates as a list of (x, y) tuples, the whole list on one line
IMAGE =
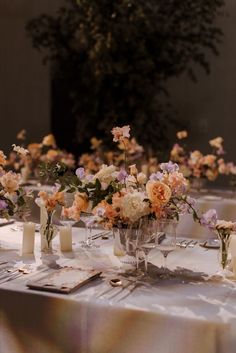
[(189, 313)]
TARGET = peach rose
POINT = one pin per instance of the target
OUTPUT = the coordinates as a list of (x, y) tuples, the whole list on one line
[(95, 143), (80, 204), (158, 192), (10, 182), (195, 158), (216, 142), (109, 211), (51, 201), (177, 182), (34, 150), (182, 134), (49, 140), (52, 155), (81, 201), (2, 158), (21, 135), (208, 160), (212, 174)]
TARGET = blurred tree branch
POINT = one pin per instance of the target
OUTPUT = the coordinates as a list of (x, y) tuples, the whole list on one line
[(116, 57)]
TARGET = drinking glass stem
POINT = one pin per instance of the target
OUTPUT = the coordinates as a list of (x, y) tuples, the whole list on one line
[(86, 234), (89, 236), (146, 262), (165, 262), (137, 258)]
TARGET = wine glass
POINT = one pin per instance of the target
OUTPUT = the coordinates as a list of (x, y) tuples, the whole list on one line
[(88, 220), (147, 241), (166, 239)]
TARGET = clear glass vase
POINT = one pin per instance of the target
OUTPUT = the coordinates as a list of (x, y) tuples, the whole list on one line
[(128, 240), (48, 231)]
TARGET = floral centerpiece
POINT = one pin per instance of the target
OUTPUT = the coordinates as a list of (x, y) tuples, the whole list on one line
[(198, 166), (28, 161), (123, 197), (125, 194)]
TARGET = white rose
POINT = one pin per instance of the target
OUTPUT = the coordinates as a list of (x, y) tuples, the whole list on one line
[(134, 207), (106, 174)]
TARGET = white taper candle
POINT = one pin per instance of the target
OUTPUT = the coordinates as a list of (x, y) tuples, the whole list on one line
[(66, 238), (28, 238)]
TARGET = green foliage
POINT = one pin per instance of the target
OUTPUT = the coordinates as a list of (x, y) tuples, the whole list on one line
[(114, 58)]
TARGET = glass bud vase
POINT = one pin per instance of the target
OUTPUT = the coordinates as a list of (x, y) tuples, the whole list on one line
[(223, 257), (48, 231), (223, 252)]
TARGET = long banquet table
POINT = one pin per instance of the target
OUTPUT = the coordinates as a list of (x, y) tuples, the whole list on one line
[(193, 312)]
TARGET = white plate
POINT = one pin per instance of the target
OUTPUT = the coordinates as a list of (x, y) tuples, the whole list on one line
[(210, 244)]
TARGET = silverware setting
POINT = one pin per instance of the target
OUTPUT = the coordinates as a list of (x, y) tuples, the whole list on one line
[(104, 235), (9, 274), (6, 223), (3, 263), (185, 243)]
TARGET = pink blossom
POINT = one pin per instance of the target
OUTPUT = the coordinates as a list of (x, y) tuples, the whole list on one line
[(120, 133)]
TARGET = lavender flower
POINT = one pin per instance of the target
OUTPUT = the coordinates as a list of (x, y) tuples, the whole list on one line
[(89, 177), (3, 205), (122, 175), (156, 176), (100, 211), (80, 172), (169, 167), (209, 219), (191, 201)]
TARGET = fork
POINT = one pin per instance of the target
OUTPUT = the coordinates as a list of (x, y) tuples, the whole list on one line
[(185, 244), (180, 242), (193, 244)]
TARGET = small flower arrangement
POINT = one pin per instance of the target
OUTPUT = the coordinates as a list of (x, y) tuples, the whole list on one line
[(222, 228), (50, 202), (13, 198)]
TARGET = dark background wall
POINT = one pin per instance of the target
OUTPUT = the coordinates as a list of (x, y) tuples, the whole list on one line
[(208, 106), (24, 81)]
